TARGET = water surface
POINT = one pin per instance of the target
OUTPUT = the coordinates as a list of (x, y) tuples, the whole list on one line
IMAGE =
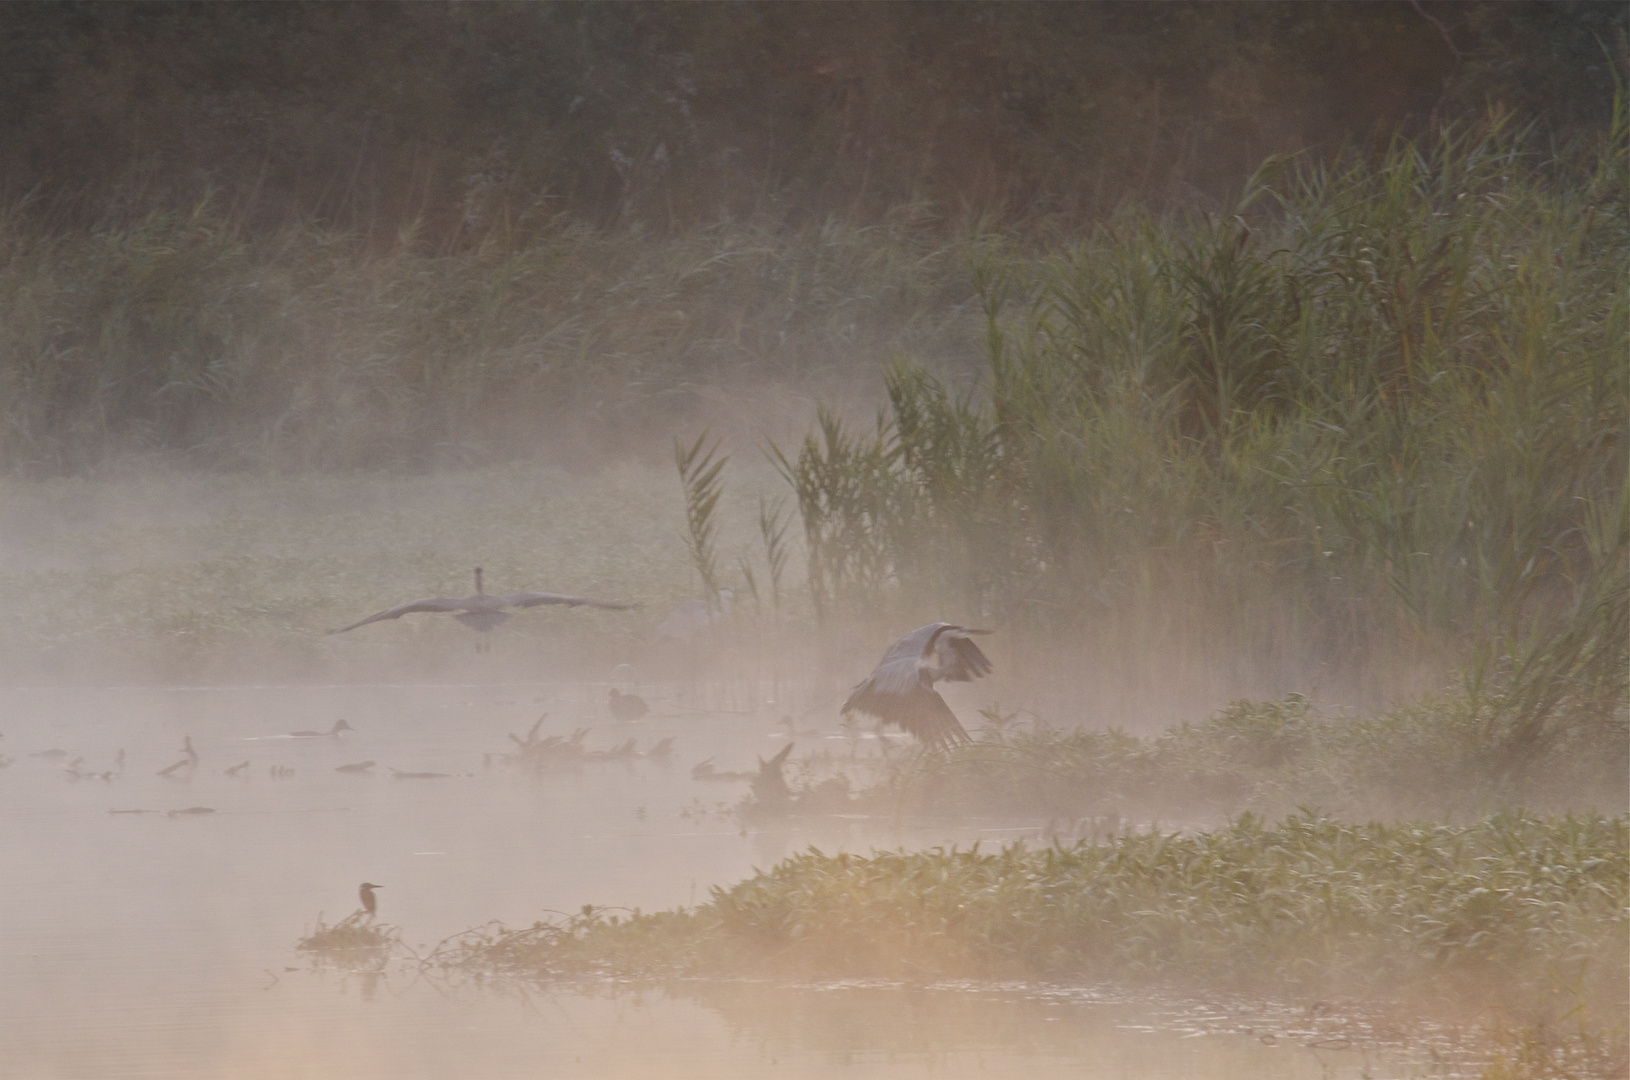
[(156, 943)]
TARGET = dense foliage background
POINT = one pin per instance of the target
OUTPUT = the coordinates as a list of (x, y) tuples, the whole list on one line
[(375, 116), (330, 235)]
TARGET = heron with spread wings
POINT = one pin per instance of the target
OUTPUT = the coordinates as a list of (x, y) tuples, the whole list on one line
[(901, 690), (482, 612)]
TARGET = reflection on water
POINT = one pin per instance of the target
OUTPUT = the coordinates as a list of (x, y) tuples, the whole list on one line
[(160, 943)]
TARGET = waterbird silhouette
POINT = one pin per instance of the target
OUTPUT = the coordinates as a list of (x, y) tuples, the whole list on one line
[(769, 786), (334, 732), (900, 690), (627, 707), (369, 904), (189, 762), (482, 612), (704, 770)]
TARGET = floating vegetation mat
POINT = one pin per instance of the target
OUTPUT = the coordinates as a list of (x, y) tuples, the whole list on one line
[(355, 943), (1311, 904), (1516, 917), (1428, 760)]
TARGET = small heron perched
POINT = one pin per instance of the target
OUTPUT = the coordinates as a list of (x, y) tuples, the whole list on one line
[(901, 690), (482, 612), (369, 904)]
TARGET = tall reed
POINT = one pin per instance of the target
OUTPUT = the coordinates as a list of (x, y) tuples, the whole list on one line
[(699, 469), (1370, 422)]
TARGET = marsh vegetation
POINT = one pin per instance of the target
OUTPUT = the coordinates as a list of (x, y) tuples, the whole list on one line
[(1373, 425), (1513, 916), (1288, 464)]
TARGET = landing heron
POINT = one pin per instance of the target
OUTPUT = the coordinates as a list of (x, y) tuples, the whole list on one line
[(901, 689)]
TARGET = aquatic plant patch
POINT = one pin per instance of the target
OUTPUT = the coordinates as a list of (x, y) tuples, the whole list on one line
[(1436, 757), (1514, 911)]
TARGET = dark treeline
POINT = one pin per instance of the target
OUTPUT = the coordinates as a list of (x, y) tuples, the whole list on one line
[(408, 235), (449, 117)]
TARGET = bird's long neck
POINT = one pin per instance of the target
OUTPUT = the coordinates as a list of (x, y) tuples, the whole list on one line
[(479, 591), (929, 672)]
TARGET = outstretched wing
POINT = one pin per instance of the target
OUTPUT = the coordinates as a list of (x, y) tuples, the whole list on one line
[(900, 670), (958, 658), (900, 691), (434, 603), (533, 599), (920, 711)]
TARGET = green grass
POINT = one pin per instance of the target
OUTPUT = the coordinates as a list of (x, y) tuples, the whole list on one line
[(1520, 914), (1433, 758)]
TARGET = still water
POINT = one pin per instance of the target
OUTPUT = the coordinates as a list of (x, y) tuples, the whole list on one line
[(160, 944)]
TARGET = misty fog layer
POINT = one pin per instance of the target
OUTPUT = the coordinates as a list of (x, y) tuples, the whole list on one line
[(146, 937), (1253, 373)]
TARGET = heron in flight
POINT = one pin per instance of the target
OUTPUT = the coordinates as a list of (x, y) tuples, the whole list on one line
[(482, 612), (901, 690)]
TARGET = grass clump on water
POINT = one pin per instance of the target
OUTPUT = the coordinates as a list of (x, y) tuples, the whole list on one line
[(1430, 759), (355, 942), (1513, 911)]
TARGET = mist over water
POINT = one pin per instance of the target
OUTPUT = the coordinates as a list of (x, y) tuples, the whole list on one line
[(1275, 430), (161, 944)]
